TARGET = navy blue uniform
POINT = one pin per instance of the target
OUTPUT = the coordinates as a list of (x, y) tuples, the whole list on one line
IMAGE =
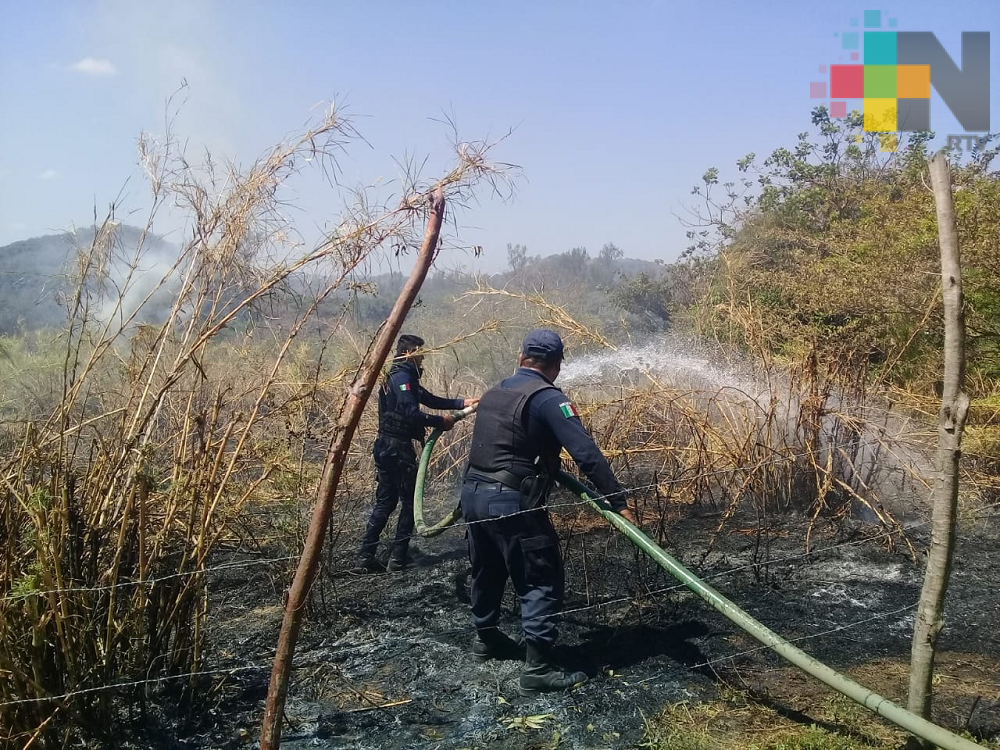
[(524, 546), (400, 423)]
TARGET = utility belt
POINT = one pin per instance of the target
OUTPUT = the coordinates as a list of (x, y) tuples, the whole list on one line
[(403, 437), (534, 488)]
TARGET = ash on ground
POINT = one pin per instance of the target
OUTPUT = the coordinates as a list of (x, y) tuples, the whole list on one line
[(383, 660)]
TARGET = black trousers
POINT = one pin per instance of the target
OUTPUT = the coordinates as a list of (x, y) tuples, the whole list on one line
[(396, 477), (523, 547)]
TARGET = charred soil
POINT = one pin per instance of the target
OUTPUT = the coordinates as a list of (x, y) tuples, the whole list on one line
[(384, 660)]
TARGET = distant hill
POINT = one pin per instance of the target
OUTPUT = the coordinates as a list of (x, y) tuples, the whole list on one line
[(36, 274), (37, 277)]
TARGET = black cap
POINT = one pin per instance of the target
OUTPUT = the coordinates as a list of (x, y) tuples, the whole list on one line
[(542, 344)]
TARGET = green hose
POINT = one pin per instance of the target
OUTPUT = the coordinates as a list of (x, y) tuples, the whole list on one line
[(418, 495), (853, 690)]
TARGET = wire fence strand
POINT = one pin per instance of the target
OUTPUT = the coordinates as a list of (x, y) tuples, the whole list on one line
[(461, 523), (630, 600)]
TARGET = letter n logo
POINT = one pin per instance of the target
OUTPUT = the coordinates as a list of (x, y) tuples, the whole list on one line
[(966, 91)]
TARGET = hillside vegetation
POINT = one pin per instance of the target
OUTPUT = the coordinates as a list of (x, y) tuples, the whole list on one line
[(831, 246)]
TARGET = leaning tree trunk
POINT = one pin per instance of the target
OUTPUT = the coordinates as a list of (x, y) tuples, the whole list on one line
[(347, 422), (951, 422)]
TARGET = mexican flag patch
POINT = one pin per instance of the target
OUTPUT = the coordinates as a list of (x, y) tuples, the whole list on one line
[(568, 410), (404, 387)]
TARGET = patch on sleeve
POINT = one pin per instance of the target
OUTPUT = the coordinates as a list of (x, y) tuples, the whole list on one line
[(404, 386), (568, 409)]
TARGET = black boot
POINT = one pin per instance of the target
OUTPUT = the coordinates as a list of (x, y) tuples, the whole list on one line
[(367, 564), (493, 643), (541, 676), (401, 559)]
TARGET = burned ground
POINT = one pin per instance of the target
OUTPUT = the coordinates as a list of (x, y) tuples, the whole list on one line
[(384, 661)]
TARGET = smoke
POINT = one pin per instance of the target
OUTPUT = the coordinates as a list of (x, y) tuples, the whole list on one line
[(137, 275)]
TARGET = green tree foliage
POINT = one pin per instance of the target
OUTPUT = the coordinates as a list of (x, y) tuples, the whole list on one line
[(647, 296), (832, 246)]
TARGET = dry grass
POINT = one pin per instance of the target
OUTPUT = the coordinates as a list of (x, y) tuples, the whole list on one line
[(786, 710), (810, 439), (164, 431), (738, 722)]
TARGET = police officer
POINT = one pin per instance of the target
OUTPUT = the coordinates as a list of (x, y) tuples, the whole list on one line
[(400, 422), (521, 426)]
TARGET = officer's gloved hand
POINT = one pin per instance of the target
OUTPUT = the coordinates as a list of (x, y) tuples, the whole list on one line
[(470, 402), (448, 423), (628, 515)]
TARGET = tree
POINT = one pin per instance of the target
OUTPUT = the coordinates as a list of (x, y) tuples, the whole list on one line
[(611, 252), (647, 296), (517, 257), (830, 245), (576, 262), (951, 422)]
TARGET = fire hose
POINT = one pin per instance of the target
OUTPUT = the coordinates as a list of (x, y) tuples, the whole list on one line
[(855, 691)]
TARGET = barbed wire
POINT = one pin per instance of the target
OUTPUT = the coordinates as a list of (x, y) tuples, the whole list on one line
[(462, 523), (146, 581), (598, 497), (632, 599), (136, 683), (738, 568), (265, 666), (606, 603), (650, 678), (621, 600), (469, 629)]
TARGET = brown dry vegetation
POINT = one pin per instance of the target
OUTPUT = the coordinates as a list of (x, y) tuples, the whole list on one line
[(147, 444), (139, 455)]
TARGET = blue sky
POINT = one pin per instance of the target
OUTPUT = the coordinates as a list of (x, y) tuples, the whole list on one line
[(617, 108)]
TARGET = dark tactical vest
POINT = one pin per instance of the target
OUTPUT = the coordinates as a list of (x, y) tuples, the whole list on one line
[(500, 447), (390, 421)]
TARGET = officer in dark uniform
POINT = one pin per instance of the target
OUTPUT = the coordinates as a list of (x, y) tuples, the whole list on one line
[(400, 422), (521, 426)]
